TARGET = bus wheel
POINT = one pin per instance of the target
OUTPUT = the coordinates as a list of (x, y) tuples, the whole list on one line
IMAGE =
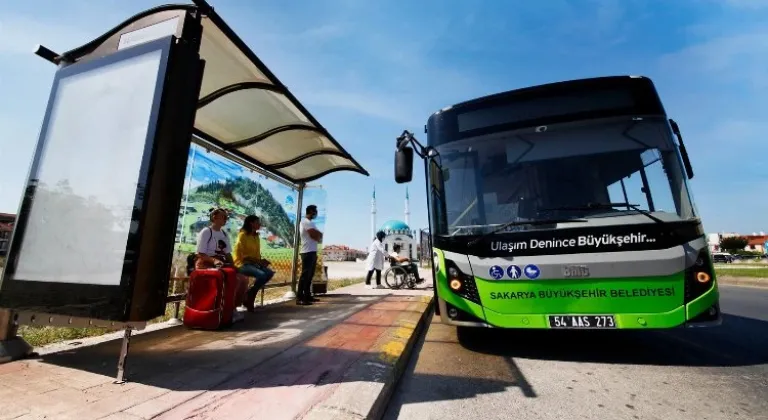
[(468, 335)]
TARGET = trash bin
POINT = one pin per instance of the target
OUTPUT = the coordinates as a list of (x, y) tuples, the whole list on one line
[(320, 283)]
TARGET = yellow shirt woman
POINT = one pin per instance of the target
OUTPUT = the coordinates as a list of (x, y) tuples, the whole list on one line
[(247, 249), (247, 258)]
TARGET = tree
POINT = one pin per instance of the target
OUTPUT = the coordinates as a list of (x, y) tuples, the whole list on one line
[(733, 243), (69, 236)]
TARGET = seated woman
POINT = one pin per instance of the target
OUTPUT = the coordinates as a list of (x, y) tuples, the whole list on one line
[(213, 249), (248, 261), (409, 267)]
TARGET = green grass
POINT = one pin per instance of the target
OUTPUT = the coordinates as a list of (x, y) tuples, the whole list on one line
[(743, 272), (40, 336)]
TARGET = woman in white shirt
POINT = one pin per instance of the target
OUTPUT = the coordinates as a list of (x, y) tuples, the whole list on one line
[(213, 249), (375, 260)]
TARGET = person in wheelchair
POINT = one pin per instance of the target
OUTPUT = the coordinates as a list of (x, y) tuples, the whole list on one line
[(404, 262)]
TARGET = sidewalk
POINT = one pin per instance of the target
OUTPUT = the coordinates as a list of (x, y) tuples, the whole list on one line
[(336, 359)]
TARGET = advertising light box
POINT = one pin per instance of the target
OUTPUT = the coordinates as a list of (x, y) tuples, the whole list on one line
[(98, 184)]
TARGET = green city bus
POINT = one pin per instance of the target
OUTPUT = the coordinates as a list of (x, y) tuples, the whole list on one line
[(565, 205)]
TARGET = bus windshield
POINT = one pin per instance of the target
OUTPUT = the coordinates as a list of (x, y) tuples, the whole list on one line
[(554, 173)]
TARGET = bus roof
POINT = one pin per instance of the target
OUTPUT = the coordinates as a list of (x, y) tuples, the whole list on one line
[(637, 83), (572, 100)]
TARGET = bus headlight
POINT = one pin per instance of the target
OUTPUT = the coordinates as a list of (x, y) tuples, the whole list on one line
[(698, 277), (461, 283), (703, 277)]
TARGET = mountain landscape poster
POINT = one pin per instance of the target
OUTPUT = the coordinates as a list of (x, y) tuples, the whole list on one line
[(213, 181)]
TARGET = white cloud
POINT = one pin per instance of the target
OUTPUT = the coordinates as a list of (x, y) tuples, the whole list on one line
[(352, 61), (20, 34), (726, 141), (747, 4), (739, 131), (374, 105), (733, 58)]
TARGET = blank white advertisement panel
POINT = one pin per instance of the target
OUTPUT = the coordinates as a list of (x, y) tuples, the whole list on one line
[(95, 139)]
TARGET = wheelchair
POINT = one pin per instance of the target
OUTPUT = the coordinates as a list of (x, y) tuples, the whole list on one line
[(398, 276)]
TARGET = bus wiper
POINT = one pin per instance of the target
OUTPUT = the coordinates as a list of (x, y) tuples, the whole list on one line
[(593, 206), (521, 223)]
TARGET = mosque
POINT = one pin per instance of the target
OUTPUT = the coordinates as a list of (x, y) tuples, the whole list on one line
[(398, 232)]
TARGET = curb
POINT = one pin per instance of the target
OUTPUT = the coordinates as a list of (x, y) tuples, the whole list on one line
[(743, 281), (380, 405), (368, 385)]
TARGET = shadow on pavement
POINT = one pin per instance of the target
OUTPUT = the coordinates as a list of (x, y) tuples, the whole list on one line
[(451, 363), (739, 341), (442, 368), (279, 345)]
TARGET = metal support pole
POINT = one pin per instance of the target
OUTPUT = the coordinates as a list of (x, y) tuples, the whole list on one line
[(7, 326), (296, 243), (175, 320), (12, 347), (123, 357), (177, 304)]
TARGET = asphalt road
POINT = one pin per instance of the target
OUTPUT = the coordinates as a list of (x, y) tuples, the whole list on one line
[(681, 374)]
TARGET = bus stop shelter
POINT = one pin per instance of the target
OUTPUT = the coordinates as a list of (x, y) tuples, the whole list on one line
[(243, 111)]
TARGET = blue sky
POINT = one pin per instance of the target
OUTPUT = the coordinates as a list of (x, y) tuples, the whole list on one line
[(367, 70)]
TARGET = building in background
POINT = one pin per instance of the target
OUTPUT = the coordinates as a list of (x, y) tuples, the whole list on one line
[(6, 229), (756, 242), (397, 231), (401, 234), (342, 253)]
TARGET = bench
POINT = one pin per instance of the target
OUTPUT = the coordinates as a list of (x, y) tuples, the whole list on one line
[(181, 283), (178, 289)]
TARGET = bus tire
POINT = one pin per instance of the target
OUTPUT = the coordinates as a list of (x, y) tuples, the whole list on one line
[(468, 334)]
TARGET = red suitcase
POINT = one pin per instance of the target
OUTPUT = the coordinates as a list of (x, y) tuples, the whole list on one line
[(211, 298)]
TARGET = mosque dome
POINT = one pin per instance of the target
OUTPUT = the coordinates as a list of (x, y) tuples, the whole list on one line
[(396, 227)]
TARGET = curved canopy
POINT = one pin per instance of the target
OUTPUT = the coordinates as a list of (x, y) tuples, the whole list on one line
[(243, 109)]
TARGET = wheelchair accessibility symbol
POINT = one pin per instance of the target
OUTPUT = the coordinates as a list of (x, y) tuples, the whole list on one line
[(496, 272)]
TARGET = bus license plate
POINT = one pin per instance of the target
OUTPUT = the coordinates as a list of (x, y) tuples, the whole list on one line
[(582, 321)]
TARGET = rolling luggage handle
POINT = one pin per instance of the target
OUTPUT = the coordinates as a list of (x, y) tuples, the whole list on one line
[(223, 296)]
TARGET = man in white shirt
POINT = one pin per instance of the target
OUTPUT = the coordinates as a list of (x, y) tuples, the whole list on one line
[(409, 266), (310, 237)]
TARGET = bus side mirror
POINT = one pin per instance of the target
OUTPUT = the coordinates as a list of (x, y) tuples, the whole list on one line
[(683, 152), (686, 161), (404, 164)]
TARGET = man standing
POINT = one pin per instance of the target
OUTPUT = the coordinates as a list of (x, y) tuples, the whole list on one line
[(310, 237)]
